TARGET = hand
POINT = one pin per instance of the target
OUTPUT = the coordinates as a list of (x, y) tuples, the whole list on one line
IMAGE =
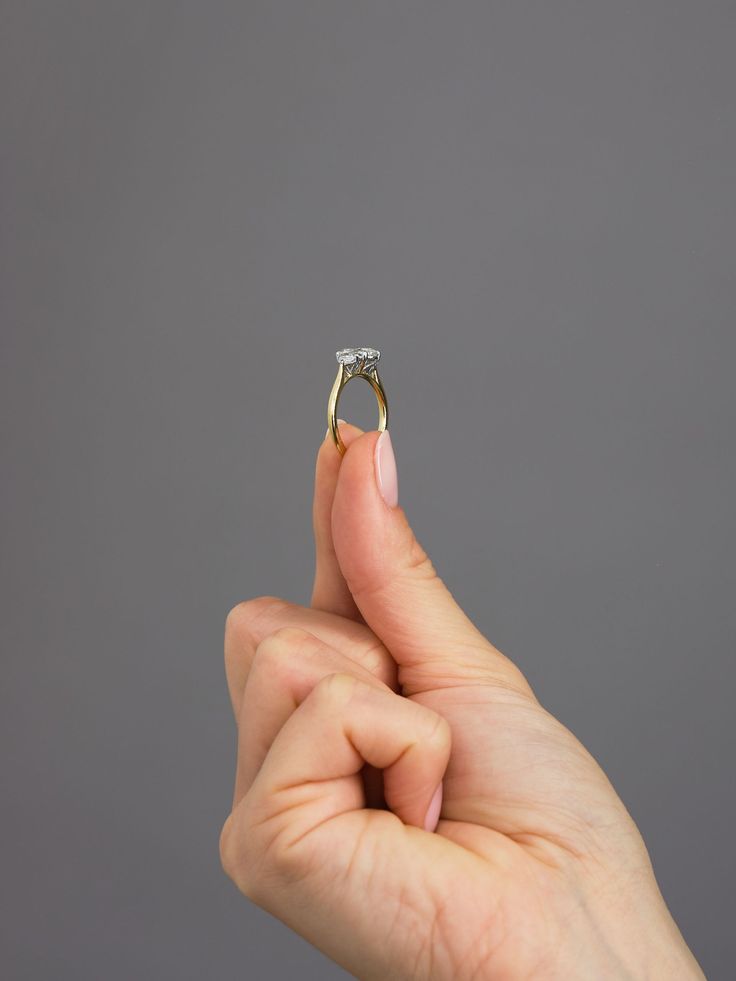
[(362, 716)]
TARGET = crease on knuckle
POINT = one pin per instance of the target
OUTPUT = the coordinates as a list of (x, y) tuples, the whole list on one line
[(244, 616), (278, 650), (336, 689), (250, 856), (241, 856), (283, 640), (283, 858), (419, 564), (275, 655), (239, 629), (438, 731), (374, 657)]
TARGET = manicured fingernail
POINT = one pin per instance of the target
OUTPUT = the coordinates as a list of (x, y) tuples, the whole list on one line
[(386, 477), (327, 432), (433, 811)]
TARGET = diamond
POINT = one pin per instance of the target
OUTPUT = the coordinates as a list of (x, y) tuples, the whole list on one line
[(358, 359)]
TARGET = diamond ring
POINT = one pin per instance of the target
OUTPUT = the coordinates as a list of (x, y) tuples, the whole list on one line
[(356, 362)]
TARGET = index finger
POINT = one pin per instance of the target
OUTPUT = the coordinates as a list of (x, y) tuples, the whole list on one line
[(330, 592)]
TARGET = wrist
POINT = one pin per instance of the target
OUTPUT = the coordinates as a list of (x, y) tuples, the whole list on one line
[(647, 941), (624, 929), (666, 956)]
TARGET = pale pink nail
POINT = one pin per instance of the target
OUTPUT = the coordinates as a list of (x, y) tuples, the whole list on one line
[(386, 477), (433, 811), (339, 423)]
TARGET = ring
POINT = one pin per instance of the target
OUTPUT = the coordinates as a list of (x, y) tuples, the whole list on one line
[(356, 362)]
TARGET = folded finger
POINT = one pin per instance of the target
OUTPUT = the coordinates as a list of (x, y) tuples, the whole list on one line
[(250, 622), (310, 777), (287, 665)]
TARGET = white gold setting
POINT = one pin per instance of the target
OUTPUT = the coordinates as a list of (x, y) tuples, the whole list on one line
[(358, 360)]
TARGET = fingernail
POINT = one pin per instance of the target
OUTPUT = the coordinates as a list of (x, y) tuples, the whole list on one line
[(433, 811), (327, 432), (386, 477)]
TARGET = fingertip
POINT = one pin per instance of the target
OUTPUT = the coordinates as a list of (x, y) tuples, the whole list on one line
[(357, 490), (363, 534), (328, 457), (330, 591), (348, 432), (362, 452)]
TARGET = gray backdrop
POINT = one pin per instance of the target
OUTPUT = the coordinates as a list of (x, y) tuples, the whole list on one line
[(529, 207)]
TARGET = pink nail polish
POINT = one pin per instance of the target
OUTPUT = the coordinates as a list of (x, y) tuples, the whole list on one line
[(433, 811), (386, 476), (340, 422)]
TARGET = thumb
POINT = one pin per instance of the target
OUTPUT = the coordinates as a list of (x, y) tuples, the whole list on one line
[(395, 585)]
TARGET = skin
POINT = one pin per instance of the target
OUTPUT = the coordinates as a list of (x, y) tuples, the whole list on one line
[(352, 711)]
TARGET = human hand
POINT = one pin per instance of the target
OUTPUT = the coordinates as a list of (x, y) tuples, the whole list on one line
[(535, 868)]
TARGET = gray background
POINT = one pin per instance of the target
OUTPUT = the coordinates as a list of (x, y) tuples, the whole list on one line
[(529, 207)]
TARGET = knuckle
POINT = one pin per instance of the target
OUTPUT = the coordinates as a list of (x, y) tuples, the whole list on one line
[(246, 874), (439, 732), (509, 676), (416, 566), (259, 855), (226, 847), (279, 644), (241, 857), (418, 562), (285, 860), (336, 689), (290, 637), (240, 633), (276, 648), (243, 616)]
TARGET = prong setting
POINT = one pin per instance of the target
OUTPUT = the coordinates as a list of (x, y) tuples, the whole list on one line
[(358, 360)]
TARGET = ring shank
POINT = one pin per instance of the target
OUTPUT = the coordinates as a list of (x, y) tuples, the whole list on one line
[(340, 382)]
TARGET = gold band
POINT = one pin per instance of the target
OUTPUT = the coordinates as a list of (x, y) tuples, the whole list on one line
[(343, 377)]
